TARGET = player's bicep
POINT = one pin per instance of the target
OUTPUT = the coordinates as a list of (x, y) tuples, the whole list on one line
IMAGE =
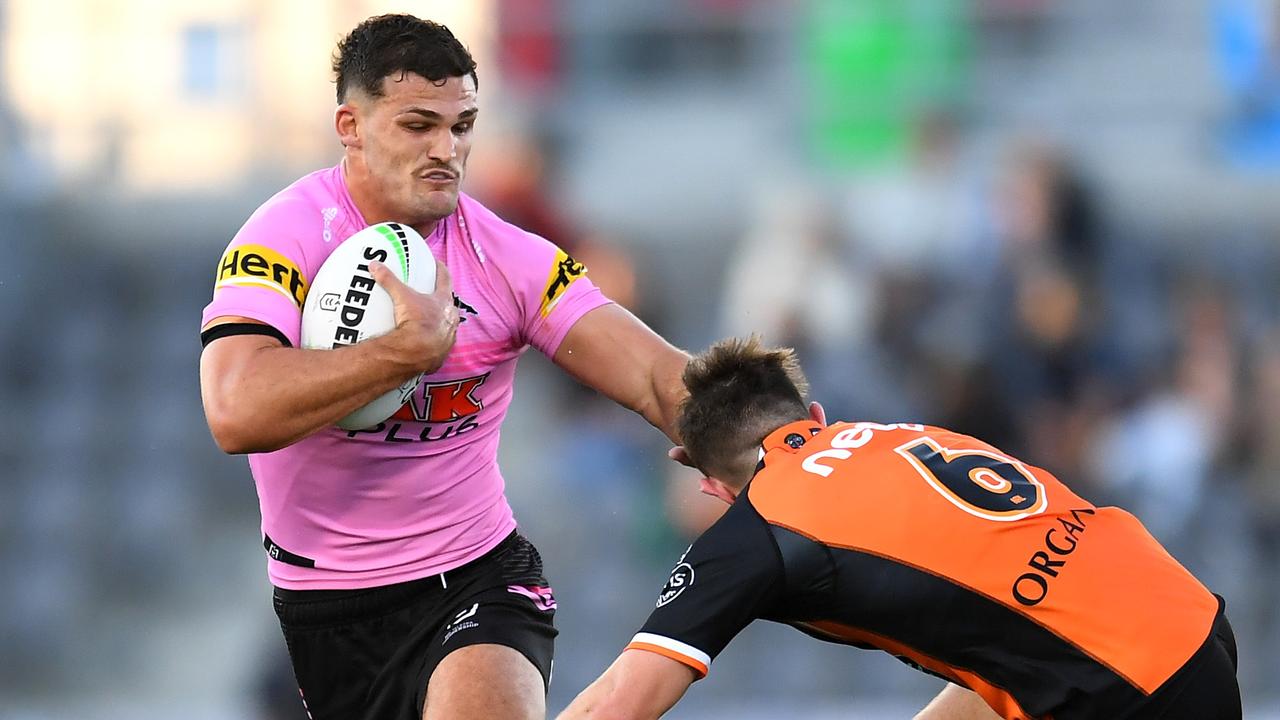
[(613, 352), (231, 344)]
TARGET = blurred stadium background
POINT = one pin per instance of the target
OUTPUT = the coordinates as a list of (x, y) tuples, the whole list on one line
[(1050, 223)]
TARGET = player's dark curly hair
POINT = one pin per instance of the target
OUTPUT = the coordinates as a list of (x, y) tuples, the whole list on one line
[(390, 44), (739, 392)]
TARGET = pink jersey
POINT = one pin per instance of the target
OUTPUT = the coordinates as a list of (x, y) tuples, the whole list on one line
[(421, 493)]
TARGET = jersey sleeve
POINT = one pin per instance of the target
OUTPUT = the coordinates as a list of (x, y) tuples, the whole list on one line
[(263, 274), (552, 292), (730, 576)]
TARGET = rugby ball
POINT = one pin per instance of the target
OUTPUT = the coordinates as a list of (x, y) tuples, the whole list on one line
[(345, 306)]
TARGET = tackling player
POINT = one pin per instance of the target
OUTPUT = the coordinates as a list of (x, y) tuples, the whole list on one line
[(401, 584), (933, 546)]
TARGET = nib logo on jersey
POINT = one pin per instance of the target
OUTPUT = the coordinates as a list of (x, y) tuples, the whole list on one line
[(436, 411), (681, 578)]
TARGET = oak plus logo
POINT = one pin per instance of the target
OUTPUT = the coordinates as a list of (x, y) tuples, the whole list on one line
[(435, 411), (681, 578), (443, 402)]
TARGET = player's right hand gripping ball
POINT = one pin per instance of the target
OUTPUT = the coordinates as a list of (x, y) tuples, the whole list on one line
[(345, 306)]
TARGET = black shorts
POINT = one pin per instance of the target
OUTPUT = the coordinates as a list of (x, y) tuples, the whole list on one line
[(367, 654), (1205, 687)]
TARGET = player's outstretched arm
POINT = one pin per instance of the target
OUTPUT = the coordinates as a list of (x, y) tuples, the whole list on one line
[(640, 685), (957, 703), (261, 396), (612, 351)]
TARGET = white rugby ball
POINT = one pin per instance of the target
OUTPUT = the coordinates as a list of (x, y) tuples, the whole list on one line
[(345, 306)]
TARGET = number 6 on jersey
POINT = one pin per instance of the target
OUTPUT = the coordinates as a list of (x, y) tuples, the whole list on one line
[(980, 482)]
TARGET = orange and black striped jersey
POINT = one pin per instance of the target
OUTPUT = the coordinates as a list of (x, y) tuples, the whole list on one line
[(957, 558)]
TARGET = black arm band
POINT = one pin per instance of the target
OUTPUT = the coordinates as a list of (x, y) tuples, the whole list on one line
[(229, 329)]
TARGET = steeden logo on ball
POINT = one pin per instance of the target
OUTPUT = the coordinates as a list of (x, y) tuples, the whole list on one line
[(346, 306)]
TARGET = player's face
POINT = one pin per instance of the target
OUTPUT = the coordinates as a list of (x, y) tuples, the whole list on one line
[(414, 144)]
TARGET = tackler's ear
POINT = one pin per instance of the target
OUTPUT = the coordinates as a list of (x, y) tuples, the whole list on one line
[(817, 414)]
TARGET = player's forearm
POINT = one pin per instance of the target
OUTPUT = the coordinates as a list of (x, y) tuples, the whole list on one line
[(639, 685), (263, 398), (610, 350), (667, 391), (957, 703), (600, 701), (587, 706), (656, 390)]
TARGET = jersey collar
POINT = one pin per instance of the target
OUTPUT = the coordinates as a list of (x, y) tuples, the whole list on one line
[(786, 440)]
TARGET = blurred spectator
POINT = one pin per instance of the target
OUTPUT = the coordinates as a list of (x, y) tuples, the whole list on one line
[(789, 280), (922, 219), (511, 176), (916, 235), (1023, 24), (1046, 210), (1263, 432), (1248, 44), (792, 280), (612, 270), (1161, 456), (1261, 465), (1041, 307)]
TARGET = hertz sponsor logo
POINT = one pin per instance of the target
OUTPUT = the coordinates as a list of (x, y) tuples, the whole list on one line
[(259, 266), (563, 272)]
